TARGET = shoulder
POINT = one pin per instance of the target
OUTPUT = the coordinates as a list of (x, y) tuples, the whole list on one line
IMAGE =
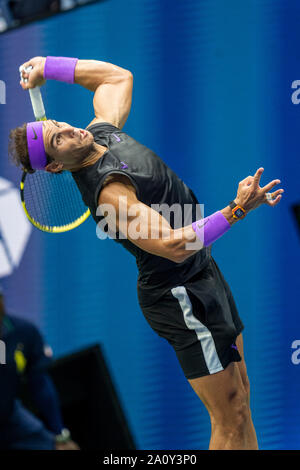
[(114, 186), (99, 123), (104, 132)]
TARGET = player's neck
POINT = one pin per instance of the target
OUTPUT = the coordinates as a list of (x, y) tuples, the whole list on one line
[(97, 152)]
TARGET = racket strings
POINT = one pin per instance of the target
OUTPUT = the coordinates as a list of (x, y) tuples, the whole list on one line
[(53, 200)]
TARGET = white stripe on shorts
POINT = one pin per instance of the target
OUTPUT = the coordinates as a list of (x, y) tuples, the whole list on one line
[(203, 334)]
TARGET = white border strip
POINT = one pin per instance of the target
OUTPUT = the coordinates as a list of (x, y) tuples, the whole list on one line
[(203, 334)]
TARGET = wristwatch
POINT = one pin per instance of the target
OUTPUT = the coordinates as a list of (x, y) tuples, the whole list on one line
[(238, 212), (63, 437)]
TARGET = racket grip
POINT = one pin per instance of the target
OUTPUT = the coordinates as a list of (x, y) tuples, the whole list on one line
[(37, 104), (36, 98)]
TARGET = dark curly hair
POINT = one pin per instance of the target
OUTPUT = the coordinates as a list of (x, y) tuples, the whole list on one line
[(18, 149)]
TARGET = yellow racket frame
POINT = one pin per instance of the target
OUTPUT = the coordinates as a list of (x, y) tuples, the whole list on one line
[(47, 228)]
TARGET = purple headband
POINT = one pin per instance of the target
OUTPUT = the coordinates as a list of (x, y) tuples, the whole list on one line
[(36, 148)]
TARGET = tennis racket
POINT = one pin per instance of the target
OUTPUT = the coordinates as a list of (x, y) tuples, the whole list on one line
[(51, 201)]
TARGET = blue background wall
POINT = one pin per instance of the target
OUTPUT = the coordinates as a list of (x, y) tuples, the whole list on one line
[(212, 96)]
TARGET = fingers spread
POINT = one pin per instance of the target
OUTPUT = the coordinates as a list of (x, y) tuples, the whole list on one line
[(278, 191), (275, 201), (257, 177), (270, 185), (273, 198)]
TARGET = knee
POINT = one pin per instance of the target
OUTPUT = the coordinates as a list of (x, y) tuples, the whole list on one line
[(240, 411), (235, 413), (246, 384), (245, 380)]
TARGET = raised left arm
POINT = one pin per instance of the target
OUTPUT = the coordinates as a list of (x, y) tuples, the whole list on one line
[(112, 86), (112, 90)]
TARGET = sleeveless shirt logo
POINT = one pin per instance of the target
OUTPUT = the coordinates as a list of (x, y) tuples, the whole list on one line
[(117, 138), (124, 166)]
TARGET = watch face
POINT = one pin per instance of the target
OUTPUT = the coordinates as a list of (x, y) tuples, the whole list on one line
[(239, 213)]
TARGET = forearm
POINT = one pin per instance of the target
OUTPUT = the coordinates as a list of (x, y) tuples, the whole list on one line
[(87, 73), (158, 237), (184, 242), (92, 73)]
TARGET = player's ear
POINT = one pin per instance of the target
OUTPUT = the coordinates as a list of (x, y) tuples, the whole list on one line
[(54, 167)]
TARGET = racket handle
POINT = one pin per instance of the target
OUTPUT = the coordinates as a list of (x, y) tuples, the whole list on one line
[(36, 99), (37, 104)]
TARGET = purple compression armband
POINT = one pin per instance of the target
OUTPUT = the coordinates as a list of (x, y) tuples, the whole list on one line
[(60, 68), (211, 228), (36, 148)]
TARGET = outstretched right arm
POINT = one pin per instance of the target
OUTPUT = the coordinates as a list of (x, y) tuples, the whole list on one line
[(151, 232)]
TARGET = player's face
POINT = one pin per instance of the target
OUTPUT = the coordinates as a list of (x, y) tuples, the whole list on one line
[(66, 143)]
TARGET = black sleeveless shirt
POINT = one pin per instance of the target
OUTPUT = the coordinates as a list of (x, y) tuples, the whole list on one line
[(155, 183)]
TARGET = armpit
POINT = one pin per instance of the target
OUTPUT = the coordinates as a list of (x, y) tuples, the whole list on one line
[(118, 178)]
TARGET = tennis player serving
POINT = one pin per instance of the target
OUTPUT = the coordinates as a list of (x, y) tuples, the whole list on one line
[(182, 292)]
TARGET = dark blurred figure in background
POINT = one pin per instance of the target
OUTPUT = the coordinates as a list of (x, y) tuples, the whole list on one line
[(27, 356), (30, 9)]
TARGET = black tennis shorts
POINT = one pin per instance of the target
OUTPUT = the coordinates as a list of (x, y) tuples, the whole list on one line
[(200, 320)]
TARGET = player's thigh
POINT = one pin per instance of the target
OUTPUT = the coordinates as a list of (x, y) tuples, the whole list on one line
[(222, 393)]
